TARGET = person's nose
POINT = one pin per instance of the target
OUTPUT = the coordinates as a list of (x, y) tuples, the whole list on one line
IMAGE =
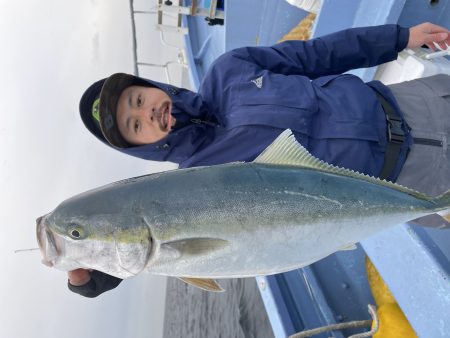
[(148, 113)]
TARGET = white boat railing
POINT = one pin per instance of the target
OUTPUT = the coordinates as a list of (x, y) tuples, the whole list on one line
[(181, 59), (167, 8)]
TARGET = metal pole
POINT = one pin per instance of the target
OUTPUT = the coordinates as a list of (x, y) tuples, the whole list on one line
[(133, 40)]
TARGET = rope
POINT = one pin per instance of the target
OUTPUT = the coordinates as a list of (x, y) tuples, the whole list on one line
[(346, 325), (373, 313)]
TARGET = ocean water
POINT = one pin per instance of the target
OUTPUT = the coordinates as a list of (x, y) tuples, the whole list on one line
[(194, 313)]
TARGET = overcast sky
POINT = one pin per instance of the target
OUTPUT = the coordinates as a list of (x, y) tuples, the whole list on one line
[(50, 52)]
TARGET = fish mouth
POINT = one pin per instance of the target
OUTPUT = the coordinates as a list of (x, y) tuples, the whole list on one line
[(47, 243)]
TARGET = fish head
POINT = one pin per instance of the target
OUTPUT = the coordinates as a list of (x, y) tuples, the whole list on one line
[(75, 236)]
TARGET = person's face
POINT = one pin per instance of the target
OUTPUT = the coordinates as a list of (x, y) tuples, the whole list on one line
[(144, 115)]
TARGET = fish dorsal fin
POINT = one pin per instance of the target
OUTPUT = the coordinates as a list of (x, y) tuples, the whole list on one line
[(203, 283), (285, 150)]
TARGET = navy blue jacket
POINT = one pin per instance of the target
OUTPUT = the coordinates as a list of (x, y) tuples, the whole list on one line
[(250, 95)]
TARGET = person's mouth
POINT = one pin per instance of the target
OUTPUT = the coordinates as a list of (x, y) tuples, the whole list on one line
[(165, 119)]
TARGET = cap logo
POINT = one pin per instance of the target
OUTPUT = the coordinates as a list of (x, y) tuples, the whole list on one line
[(108, 122), (95, 110)]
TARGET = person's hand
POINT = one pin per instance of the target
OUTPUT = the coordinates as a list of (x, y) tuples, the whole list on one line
[(79, 277), (427, 33)]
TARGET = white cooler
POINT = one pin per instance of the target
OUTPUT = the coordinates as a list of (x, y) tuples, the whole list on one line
[(412, 64)]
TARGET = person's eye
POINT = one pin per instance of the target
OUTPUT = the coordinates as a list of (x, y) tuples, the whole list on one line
[(136, 126), (139, 100)]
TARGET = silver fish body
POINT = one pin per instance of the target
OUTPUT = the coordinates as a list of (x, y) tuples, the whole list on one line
[(231, 220), (256, 219)]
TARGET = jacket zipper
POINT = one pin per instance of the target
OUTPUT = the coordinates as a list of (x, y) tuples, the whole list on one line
[(208, 123)]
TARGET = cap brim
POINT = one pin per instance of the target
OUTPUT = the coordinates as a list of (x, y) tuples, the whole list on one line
[(109, 96)]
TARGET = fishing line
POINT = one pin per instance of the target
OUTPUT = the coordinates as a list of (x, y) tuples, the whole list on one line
[(24, 250)]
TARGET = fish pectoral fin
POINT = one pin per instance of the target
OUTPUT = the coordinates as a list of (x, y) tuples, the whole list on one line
[(348, 247), (195, 246), (203, 283)]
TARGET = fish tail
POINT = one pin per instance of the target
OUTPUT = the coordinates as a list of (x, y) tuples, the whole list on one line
[(440, 219), (442, 201), (445, 215)]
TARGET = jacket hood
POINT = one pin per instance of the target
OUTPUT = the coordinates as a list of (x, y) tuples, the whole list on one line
[(180, 143)]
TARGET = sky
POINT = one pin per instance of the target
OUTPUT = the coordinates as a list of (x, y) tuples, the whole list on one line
[(51, 51)]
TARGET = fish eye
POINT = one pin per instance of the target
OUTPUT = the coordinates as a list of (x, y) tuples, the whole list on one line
[(75, 233)]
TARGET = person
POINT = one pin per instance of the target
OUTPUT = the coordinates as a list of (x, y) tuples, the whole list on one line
[(251, 94)]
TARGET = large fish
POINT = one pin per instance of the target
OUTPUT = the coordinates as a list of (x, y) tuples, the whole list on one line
[(283, 211)]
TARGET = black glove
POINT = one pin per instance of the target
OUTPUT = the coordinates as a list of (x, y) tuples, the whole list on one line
[(100, 282)]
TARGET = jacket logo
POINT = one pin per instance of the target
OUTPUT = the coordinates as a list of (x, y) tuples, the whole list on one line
[(258, 82)]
